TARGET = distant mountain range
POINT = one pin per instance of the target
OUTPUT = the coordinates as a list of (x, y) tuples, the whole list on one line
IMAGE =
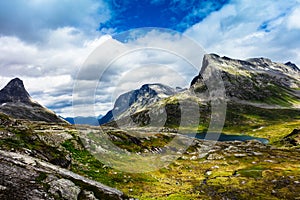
[(257, 82), (16, 102), (94, 121)]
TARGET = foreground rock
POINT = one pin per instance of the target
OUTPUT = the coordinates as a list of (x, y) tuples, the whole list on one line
[(25, 177)]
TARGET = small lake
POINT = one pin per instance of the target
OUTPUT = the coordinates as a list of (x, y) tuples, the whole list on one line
[(224, 137)]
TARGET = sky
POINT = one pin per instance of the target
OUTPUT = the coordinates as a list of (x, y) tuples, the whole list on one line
[(51, 44)]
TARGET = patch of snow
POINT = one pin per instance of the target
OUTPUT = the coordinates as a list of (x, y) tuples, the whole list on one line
[(258, 128)]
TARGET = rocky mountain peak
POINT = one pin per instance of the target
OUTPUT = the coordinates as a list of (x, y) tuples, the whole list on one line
[(16, 81), (253, 80), (293, 66), (14, 91), (158, 89), (136, 100)]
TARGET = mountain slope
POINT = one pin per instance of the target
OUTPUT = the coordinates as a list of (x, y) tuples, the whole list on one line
[(262, 99), (15, 101)]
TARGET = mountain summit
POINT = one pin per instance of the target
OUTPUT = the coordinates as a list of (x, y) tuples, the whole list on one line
[(137, 100), (14, 91), (16, 102)]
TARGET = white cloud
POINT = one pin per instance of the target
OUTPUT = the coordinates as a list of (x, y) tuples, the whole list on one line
[(59, 57), (153, 57), (244, 29), (293, 21), (14, 52), (47, 69)]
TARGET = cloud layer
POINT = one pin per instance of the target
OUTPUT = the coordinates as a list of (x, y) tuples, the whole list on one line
[(31, 20)]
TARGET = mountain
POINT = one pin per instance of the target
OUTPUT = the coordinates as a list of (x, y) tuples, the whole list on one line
[(258, 81), (84, 120), (137, 100), (258, 92), (14, 91), (16, 102)]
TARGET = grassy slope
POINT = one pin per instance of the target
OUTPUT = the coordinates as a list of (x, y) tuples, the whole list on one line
[(241, 178), (272, 124)]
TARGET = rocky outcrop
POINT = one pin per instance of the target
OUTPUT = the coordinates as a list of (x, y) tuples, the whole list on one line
[(25, 177), (16, 102), (292, 139)]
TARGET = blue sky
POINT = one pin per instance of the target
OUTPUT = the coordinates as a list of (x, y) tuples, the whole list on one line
[(46, 42), (173, 14)]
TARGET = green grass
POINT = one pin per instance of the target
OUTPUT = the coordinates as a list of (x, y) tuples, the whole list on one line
[(42, 176), (280, 96), (87, 164), (251, 172), (272, 124)]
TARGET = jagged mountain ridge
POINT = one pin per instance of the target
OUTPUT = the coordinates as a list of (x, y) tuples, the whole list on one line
[(136, 100), (16, 102), (256, 82)]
